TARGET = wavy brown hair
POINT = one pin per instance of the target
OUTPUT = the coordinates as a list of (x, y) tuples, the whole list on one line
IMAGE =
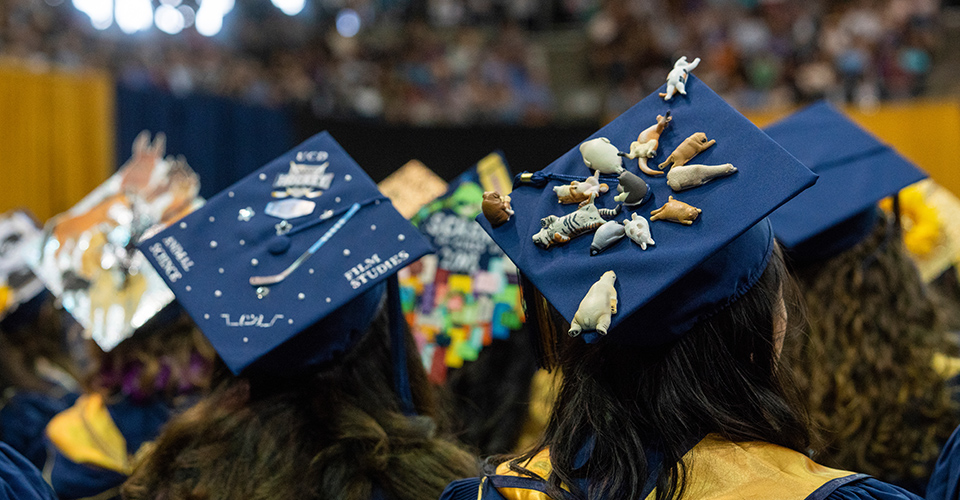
[(338, 433), (38, 336), (866, 366)]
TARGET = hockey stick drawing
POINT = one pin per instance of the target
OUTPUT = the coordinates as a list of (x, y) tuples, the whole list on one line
[(277, 278)]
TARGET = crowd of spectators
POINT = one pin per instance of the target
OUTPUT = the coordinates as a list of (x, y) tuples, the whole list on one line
[(490, 61)]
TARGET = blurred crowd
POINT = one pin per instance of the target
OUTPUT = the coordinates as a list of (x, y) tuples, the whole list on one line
[(493, 61)]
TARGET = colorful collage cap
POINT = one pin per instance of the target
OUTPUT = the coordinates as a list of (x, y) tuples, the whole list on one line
[(691, 270), (18, 284), (466, 295), (307, 239), (88, 257), (856, 171)]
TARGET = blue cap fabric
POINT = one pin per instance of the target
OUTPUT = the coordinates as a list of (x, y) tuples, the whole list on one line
[(691, 270), (856, 171), (18, 284), (306, 239)]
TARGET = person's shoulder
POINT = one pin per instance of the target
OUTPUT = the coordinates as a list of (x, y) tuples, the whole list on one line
[(945, 480), (19, 479), (863, 488)]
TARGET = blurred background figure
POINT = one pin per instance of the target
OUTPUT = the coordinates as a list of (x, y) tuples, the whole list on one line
[(874, 329)]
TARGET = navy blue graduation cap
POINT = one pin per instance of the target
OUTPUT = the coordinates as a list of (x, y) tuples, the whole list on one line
[(692, 270), (306, 240), (856, 171)]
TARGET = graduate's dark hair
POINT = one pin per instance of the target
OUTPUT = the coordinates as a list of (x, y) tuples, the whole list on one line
[(867, 365), (335, 433), (37, 334), (724, 377)]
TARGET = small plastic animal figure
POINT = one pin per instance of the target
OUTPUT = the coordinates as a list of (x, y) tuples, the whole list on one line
[(677, 77), (687, 149), (607, 234), (597, 307), (496, 208), (601, 156), (558, 230), (580, 191), (676, 211), (646, 144), (632, 189), (691, 176), (638, 230)]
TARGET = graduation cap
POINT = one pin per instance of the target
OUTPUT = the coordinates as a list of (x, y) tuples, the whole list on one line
[(306, 240), (21, 291), (856, 171), (692, 270), (461, 299)]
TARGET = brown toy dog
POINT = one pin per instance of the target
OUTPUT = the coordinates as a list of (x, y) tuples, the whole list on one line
[(676, 211), (496, 208), (687, 149)]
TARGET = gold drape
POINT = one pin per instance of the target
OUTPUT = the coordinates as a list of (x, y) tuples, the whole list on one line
[(56, 137), (926, 132)]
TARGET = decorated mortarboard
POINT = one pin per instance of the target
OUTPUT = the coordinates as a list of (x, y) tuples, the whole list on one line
[(856, 171), (697, 237), (411, 187), (18, 284), (286, 269), (466, 295), (87, 255)]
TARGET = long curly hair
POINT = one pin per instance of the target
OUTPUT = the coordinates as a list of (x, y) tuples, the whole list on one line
[(618, 402), (866, 365), (338, 433)]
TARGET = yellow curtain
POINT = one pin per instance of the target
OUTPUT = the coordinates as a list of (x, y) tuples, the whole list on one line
[(926, 132), (56, 137)]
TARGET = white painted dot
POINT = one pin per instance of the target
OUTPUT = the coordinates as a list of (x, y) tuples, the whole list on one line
[(245, 340), (213, 244), (212, 219), (254, 262), (348, 177), (373, 227), (206, 316), (337, 199), (183, 225), (221, 270), (242, 242), (328, 300), (301, 296), (310, 270), (188, 288), (230, 194), (376, 202), (217, 293), (263, 177), (401, 237), (289, 321), (346, 252)]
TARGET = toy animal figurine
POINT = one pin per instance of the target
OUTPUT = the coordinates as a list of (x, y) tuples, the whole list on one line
[(646, 144), (607, 234), (597, 307), (496, 208), (691, 176), (558, 230), (677, 77), (580, 191), (638, 230), (687, 149), (676, 211), (633, 191), (602, 156)]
